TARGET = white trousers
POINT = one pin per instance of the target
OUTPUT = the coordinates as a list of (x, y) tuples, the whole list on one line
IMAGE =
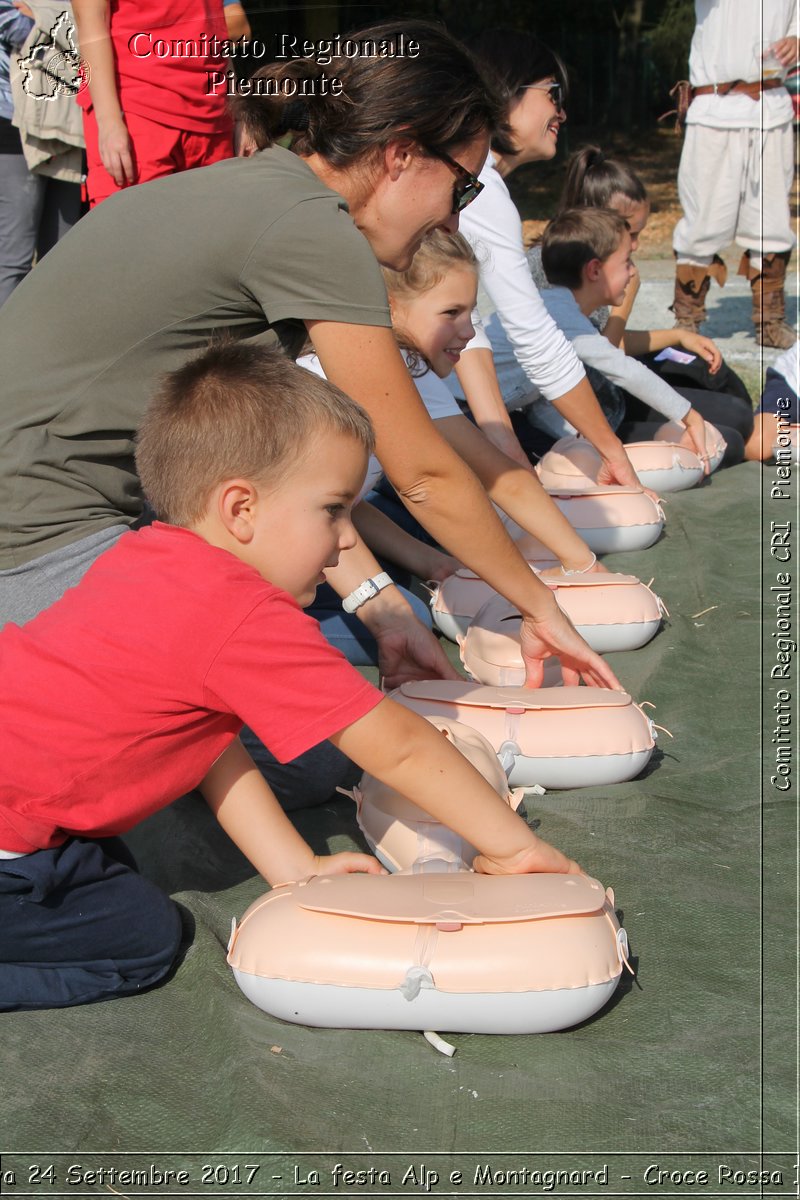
[(733, 185)]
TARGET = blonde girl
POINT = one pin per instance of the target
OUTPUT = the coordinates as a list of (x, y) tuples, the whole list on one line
[(431, 305)]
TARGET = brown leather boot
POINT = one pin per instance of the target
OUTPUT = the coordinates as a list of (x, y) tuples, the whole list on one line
[(769, 300), (691, 287)]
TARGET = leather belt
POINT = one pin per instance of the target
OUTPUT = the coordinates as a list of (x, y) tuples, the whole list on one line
[(736, 87)]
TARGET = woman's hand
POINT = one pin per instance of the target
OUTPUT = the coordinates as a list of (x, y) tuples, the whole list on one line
[(347, 862), (703, 347), (407, 650), (540, 857), (556, 635)]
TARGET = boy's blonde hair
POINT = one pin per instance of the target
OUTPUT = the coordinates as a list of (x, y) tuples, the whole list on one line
[(236, 410), (574, 238), (437, 255)]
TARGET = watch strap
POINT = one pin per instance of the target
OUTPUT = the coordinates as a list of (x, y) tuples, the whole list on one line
[(365, 591)]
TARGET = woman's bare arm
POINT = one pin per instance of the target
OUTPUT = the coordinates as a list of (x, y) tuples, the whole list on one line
[(445, 496)]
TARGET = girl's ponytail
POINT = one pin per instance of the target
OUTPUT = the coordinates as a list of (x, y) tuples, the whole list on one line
[(592, 181)]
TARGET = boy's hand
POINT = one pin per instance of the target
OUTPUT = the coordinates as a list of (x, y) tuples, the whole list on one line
[(347, 862), (409, 754), (696, 428), (541, 857), (556, 635), (703, 347), (248, 811)]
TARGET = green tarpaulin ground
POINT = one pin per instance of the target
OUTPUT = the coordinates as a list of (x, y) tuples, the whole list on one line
[(696, 1057)]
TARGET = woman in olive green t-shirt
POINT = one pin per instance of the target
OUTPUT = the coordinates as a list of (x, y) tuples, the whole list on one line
[(264, 247)]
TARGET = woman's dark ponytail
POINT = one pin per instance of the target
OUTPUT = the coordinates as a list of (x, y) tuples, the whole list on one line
[(290, 98), (354, 105)]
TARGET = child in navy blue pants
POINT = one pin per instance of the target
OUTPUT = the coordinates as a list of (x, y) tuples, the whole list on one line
[(131, 690)]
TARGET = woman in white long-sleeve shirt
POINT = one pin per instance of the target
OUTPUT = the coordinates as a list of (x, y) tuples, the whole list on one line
[(538, 367)]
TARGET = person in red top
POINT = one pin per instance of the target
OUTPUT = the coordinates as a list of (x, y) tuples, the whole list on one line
[(131, 689), (148, 109)]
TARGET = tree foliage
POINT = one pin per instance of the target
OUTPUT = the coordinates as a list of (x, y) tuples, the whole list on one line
[(671, 37), (622, 55)]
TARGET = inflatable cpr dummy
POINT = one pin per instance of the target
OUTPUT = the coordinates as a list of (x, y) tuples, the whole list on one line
[(399, 833), (491, 652), (554, 737), (664, 465), (607, 518), (610, 611), (463, 952), (716, 445)]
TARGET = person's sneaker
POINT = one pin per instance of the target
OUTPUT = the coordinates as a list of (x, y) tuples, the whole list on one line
[(775, 334)]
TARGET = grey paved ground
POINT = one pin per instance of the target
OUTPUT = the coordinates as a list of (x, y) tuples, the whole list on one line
[(729, 311)]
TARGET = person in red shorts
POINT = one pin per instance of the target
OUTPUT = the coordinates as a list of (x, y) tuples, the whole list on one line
[(148, 110)]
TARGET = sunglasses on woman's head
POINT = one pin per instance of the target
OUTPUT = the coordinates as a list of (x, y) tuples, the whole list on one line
[(555, 89), (466, 187)]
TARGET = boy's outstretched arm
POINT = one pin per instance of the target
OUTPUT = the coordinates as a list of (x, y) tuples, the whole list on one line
[(440, 490), (409, 754), (637, 342), (248, 811)]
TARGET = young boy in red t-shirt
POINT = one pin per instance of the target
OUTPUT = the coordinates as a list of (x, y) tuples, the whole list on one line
[(130, 691)]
